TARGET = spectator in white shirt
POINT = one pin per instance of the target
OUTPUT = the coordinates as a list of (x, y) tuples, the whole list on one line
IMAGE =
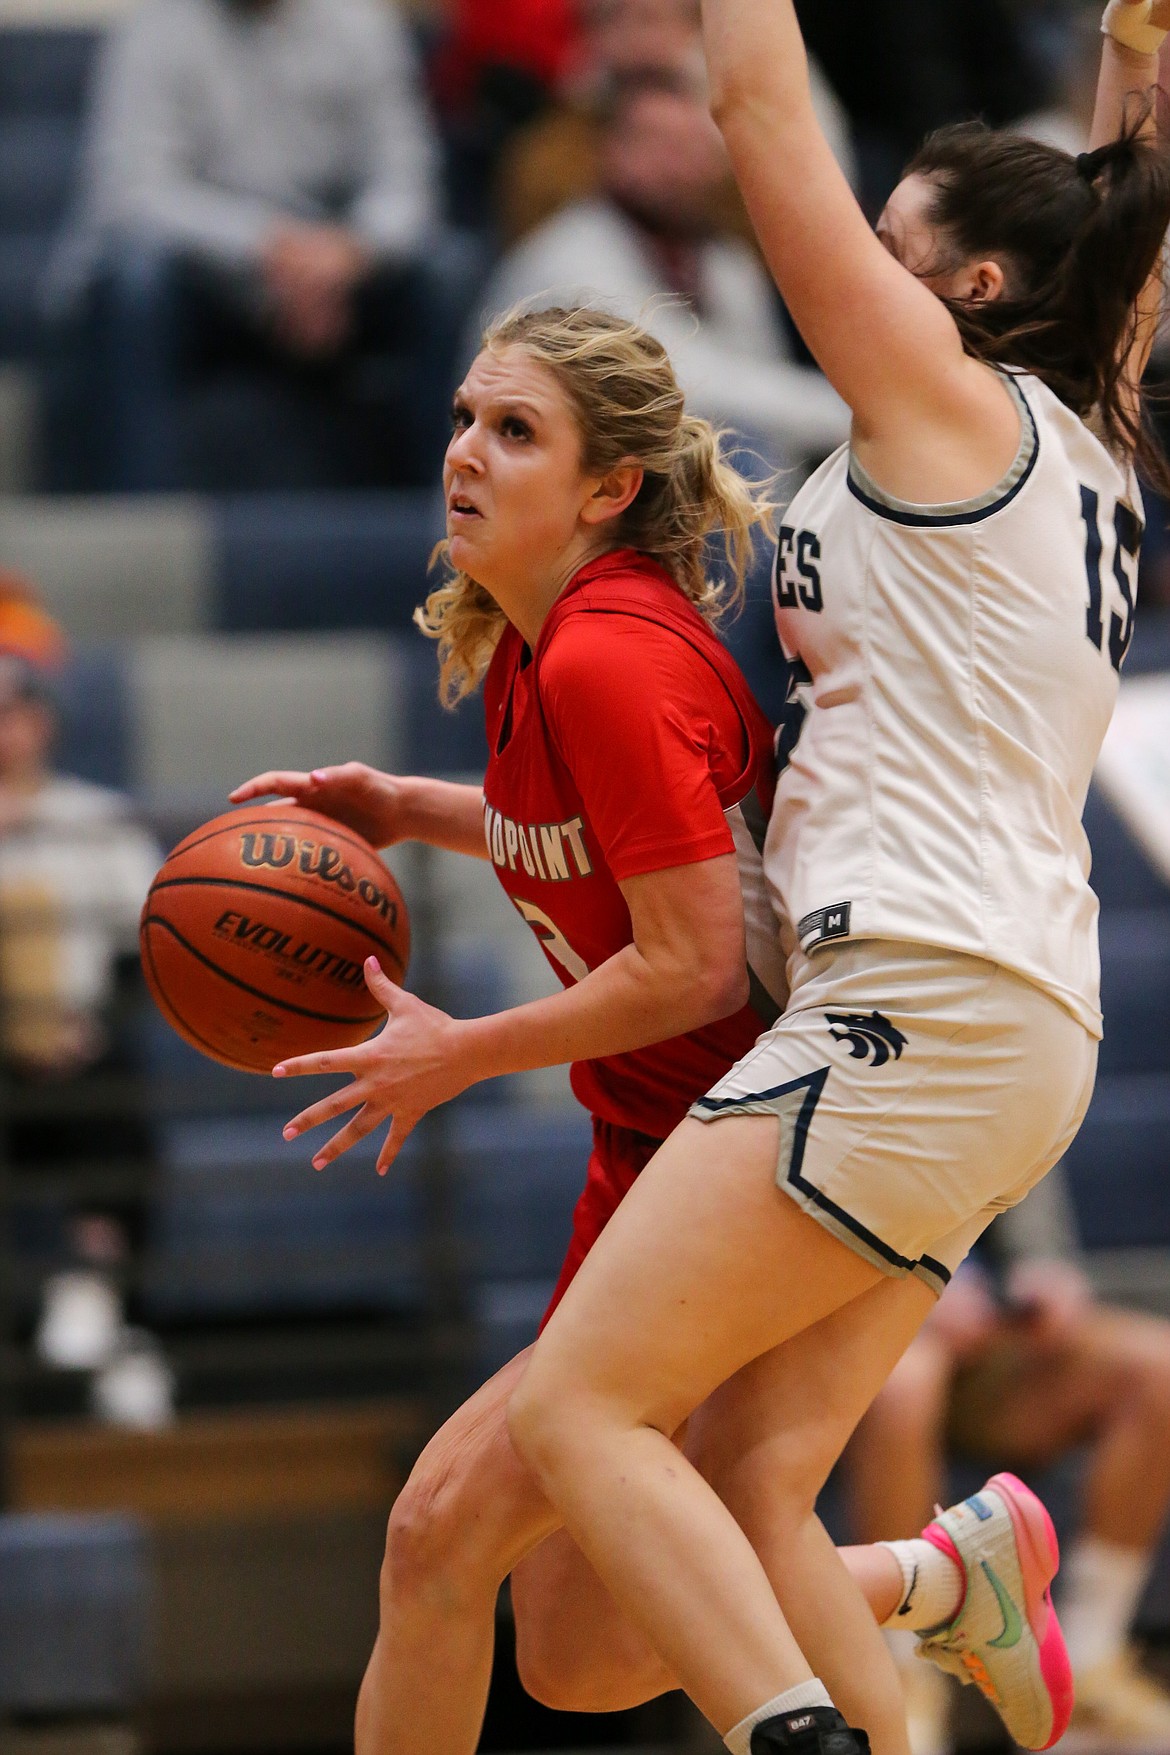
[(650, 245)]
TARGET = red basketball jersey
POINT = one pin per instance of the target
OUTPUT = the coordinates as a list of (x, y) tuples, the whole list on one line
[(627, 743)]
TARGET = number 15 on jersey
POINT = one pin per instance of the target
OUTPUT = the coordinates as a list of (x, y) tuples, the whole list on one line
[(1112, 637)]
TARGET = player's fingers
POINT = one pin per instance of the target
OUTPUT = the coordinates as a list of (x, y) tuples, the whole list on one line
[(328, 1109), (347, 1061), (282, 781), (385, 991), (363, 1123), (401, 1128)]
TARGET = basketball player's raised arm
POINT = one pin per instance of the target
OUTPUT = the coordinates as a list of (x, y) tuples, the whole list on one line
[(384, 808), (1129, 81), (883, 340)]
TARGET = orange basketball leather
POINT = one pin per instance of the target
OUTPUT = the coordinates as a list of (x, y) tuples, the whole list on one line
[(255, 933)]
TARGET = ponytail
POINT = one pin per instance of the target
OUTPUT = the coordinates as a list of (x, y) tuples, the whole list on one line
[(678, 510), (1078, 238)]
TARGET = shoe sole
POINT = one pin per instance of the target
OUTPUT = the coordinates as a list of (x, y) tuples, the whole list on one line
[(1039, 1556)]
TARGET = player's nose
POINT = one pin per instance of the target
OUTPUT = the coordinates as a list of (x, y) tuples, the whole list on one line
[(465, 451)]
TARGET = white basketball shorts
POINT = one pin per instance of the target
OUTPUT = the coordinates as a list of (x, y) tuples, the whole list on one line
[(920, 1092)]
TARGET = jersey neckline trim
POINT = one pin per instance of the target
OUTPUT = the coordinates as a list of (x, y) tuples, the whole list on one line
[(884, 505)]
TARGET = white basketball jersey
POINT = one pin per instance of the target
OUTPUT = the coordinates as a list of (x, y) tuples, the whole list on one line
[(954, 672)]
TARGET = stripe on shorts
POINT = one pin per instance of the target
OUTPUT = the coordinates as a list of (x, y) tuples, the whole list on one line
[(932, 1272)]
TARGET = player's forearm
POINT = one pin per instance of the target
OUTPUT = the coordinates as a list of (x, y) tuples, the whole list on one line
[(1128, 83), (626, 1004), (755, 55), (1128, 79), (442, 813)]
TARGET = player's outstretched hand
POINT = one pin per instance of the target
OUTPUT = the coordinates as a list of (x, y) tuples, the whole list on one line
[(364, 799), (410, 1067)]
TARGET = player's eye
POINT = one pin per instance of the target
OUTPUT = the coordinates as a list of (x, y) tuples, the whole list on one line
[(513, 427), (460, 417)]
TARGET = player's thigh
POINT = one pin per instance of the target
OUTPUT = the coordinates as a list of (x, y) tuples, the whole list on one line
[(705, 1266), (469, 1503), (768, 1438)]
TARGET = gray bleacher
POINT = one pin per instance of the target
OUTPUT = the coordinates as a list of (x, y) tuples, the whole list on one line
[(43, 73), (74, 1615), (1118, 1163)]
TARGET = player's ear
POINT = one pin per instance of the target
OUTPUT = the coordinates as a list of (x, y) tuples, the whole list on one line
[(614, 493), (985, 283)]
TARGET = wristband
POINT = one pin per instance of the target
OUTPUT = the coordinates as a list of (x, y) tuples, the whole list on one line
[(1130, 26)]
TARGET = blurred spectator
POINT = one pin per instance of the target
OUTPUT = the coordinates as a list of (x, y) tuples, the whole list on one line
[(902, 67), (1020, 1364), (75, 867), (259, 178), (554, 160), (496, 68), (649, 246)]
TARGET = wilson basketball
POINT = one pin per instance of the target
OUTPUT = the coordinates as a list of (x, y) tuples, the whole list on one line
[(256, 930)]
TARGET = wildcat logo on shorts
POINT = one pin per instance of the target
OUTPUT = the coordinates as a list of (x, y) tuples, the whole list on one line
[(866, 1033)]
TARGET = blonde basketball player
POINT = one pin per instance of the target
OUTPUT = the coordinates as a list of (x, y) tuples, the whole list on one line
[(610, 707), (956, 590)]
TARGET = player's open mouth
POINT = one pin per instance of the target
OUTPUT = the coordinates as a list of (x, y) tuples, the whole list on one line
[(460, 508)]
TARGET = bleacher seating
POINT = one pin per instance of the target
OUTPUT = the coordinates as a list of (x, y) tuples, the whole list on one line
[(1135, 990), (240, 428), (309, 562), (74, 1615), (240, 564), (1117, 1164), (242, 1224), (110, 568), (43, 75), (128, 708), (44, 70)]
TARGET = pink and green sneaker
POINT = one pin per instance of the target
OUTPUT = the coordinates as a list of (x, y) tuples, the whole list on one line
[(1005, 1638)]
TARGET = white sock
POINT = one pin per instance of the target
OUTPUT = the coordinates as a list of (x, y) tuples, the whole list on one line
[(814, 1693), (1101, 1583), (903, 1644), (932, 1585)]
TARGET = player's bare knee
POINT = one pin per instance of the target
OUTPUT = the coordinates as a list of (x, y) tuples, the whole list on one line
[(570, 1675), (781, 1482), (414, 1545), (437, 1542), (795, 1483)]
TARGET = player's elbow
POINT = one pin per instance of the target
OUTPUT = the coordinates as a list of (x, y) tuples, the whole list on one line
[(730, 100), (720, 987)]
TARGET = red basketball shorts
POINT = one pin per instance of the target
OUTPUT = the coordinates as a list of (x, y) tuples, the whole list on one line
[(618, 1155)]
